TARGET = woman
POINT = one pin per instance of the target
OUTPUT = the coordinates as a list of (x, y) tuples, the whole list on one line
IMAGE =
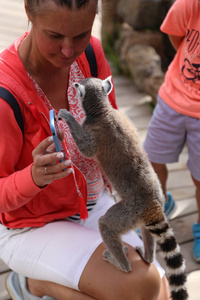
[(43, 236)]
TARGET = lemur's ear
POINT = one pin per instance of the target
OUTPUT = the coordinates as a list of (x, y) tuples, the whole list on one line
[(80, 88), (107, 85)]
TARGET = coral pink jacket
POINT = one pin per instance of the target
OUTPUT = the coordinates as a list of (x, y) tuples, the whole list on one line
[(22, 203)]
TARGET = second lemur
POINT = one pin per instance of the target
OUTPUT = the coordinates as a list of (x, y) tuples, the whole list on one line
[(111, 138)]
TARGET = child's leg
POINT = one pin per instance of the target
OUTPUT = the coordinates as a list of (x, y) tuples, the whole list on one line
[(162, 172), (193, 164), (196, 226), (197, 184)]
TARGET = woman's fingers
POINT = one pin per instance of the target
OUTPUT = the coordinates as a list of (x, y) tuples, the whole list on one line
[(48, 167)]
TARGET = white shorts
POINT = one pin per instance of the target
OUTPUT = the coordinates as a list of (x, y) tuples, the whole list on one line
[(59, 251)]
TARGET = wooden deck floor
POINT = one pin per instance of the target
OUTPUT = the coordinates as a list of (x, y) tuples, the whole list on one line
[(13, 23)]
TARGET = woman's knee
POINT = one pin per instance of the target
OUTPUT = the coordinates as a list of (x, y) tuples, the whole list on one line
[(142, 283), (102, 280), (148, 283)]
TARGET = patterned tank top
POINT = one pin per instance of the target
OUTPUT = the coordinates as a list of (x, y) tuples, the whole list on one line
[(89, 167)]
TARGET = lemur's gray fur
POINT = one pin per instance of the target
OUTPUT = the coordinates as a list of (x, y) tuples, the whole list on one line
[(111, 138)]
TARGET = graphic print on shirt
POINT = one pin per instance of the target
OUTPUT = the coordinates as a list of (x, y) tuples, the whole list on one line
[(191, 68)]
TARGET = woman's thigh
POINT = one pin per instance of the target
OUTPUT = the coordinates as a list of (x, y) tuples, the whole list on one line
[(60, 251), (56, 252)]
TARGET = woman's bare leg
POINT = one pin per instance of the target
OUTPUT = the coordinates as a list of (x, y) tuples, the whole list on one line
[(40, 288), (164, 290), (102, 281)]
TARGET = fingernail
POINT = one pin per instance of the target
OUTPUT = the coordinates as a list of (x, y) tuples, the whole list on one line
[(69, 170), (50, 139), (68, 162), (60, 155)]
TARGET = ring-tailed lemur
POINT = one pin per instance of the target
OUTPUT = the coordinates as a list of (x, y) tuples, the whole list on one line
[(111, 138)]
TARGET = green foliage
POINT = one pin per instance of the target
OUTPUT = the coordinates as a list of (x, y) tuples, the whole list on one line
[(110, 52), (151, 106)]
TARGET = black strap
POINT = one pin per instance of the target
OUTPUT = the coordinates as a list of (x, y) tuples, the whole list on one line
[(89, 52), (10, 99)]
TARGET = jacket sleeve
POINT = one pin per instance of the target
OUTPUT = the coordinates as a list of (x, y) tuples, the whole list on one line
[(16, 186)]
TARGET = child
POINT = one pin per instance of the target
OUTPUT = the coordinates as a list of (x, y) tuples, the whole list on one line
[(176, 118)]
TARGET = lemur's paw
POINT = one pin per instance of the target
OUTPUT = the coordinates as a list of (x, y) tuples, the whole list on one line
[(64, 114), (125, 266), (108, 256)]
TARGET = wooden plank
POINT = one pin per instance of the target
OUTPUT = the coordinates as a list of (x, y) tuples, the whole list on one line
[(184, 207), (140, 122), (3, 267), (3, 292), (12, 5), (183, 192), (13, 21), (4, 271), (179, 178), (120, 80), (193, 285), (128, 98), (135, 111), (183, 227)]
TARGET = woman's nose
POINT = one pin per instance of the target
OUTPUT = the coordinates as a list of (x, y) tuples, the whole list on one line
[(68, 48)]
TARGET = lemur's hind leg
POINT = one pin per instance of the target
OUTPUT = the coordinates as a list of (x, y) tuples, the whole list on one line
[(112, 225), (152, 217), (148, 252), (107, 256)]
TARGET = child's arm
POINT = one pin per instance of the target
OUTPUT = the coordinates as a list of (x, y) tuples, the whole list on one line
[(176, 41)]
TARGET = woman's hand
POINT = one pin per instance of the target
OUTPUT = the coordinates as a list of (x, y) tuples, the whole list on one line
[(44, 168)]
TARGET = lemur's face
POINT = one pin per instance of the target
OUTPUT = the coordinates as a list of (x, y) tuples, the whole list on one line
[(81, 87)]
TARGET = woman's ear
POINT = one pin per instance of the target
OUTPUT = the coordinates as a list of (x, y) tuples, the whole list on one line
[(30, 18)]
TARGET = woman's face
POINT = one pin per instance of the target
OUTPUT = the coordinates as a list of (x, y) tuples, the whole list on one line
[(59, 35)]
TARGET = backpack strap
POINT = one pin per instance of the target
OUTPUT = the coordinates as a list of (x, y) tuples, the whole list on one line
[(89, 52), (10, 99)]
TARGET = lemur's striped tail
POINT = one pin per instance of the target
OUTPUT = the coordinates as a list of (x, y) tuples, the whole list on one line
[(175, 262)]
